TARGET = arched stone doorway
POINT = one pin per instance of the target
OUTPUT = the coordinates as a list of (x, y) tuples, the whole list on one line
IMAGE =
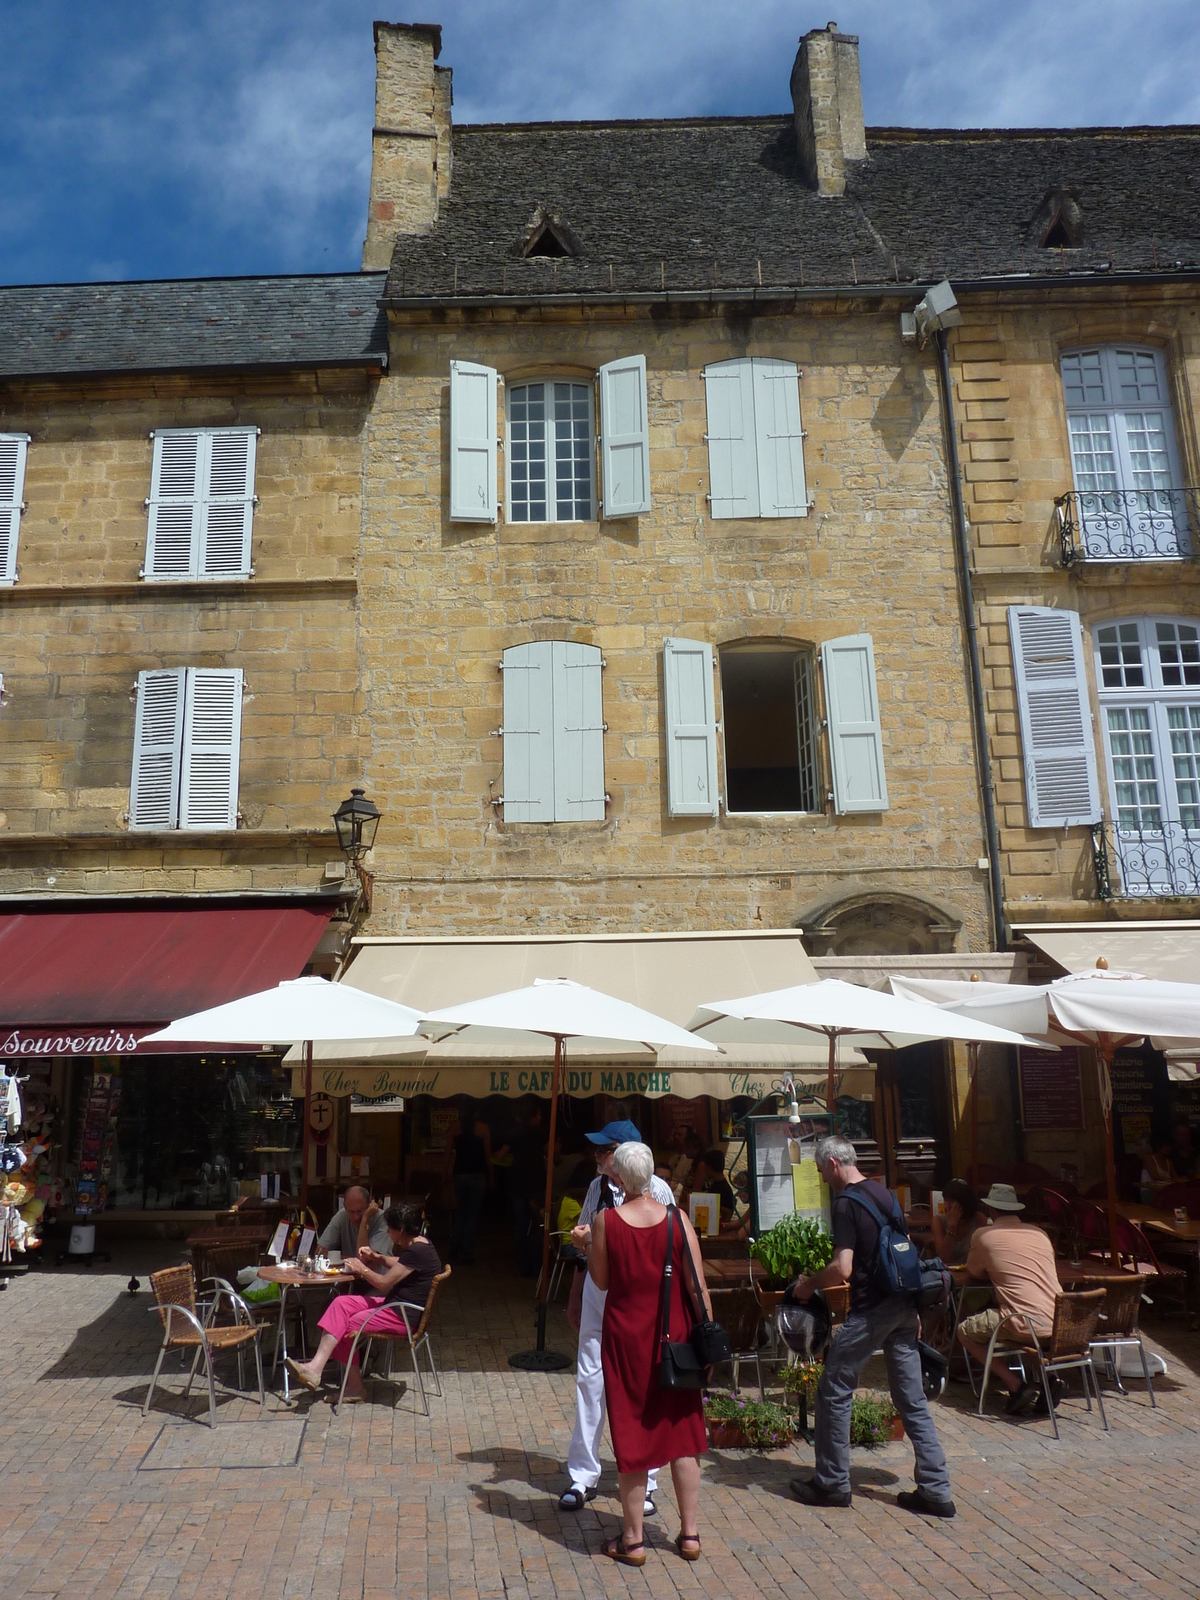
[(910, 1120)]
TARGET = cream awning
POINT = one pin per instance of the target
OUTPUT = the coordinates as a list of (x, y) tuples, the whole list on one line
[(1167, 950), (669, 974)]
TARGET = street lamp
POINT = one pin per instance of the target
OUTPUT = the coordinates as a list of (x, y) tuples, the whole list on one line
[(356, 820)]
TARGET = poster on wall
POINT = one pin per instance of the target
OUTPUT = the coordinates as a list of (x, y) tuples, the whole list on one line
[(1051, 1089)]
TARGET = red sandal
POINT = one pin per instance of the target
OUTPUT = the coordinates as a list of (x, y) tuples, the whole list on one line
[(618, 1550)]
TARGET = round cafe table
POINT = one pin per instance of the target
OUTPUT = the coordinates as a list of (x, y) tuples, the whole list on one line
[(289, 1279)]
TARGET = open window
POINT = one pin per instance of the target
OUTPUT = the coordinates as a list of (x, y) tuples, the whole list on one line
[(770, 728)]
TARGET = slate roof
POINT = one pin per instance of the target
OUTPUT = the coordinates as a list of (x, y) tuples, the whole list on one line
[(191, 325), (716, 203)]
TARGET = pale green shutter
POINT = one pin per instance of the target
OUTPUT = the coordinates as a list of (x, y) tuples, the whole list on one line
[(13, 450), (228, 502), (1061, 784), (473, 391), (625, 437), (855, 734), (578, 733), (173, 535), (779, 441), (528, 732), (157, 743), (691, 728), (732, 448), (212, 729)]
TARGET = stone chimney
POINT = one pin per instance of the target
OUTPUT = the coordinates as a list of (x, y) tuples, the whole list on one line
[(827, 102), (410, 142)]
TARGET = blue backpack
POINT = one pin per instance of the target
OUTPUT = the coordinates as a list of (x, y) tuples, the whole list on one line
[(897, 1260)]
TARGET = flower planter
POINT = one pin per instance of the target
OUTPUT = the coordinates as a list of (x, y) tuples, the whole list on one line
[(896, 1431), (770, 1300), (731, 1436)]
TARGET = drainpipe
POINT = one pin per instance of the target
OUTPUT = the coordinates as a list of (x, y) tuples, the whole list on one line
[(962, 551)]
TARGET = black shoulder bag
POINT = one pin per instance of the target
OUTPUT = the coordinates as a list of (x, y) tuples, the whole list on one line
[(682, 1366)]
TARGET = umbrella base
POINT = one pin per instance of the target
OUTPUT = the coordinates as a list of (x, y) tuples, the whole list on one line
[(541, 1361)]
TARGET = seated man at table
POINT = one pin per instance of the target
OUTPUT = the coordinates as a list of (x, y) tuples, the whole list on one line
[(1017, 1259), (359, 1222)]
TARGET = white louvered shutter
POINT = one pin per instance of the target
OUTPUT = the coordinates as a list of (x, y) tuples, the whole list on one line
[(855, 735), (472, 442), (212, 728), (157, 742), (529, 733), (228, 511), (173, 532), (691, 728), (625, 437), (13, 450), (732, 450), (578, 733), (1061, 784), (779, 442)]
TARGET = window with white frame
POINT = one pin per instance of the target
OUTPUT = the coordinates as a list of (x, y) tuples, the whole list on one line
[(201, 505), (1148, 677), (14, 448), (186, 742), (553, 732), (550, 451), (550, 448), (771, 727), (1124, 461)]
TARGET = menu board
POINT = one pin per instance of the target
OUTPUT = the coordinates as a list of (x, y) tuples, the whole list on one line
[(1141, 1097), (1051, 1092), (772, 1187)]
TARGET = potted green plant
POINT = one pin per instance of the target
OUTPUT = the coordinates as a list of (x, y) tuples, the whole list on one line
[(873, 1418), (736, 1424), (795, 1245)]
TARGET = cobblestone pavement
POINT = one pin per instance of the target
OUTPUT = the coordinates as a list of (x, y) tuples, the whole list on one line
[(378, 1502)]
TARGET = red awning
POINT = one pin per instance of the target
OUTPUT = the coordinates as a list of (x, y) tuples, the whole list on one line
[(103, 966)]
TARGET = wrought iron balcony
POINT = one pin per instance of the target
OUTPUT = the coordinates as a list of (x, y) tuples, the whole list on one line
[(1145, 863), (1127, 524)]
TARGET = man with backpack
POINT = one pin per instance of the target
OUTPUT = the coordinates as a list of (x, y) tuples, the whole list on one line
[(871, 1252)]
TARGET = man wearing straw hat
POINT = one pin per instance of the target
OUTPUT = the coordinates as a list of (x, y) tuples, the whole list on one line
[(604, 1193), (1017, 1259)]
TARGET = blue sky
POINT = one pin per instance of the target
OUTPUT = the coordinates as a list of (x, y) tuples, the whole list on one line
[(182, 139)]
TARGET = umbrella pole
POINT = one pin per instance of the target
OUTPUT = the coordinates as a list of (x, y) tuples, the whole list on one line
[(307, 1123), (1106, 1048), (830, 1086), (541, 1359), (973, 1091)]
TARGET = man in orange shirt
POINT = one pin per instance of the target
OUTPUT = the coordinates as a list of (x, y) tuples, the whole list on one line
[(1018, 1260)]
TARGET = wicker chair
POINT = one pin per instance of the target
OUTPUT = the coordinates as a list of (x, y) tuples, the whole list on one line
[(413, 1337), (740, 1314), (1066, 1347), (175, 1304), (1119, 1329)]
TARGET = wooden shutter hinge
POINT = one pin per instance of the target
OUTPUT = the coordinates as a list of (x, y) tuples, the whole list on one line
[(496, 733)]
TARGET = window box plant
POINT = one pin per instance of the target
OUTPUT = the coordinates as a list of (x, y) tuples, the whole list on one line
[(735, 1424), (795, 1245)]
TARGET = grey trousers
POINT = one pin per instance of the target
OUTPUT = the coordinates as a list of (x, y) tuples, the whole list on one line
[(892, 1325)]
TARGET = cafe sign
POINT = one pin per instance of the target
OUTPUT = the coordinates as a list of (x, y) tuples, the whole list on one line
[(514, 1081)]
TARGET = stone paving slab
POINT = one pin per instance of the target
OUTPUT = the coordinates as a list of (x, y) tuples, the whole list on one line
[(384, 1502)]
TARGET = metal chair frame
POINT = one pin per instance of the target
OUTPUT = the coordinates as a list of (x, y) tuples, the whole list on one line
[(415, 1340), (168, 1310), (1129, 1335), (1048, 1366)]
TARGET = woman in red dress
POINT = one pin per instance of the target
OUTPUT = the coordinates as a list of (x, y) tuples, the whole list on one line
[(650, 1426)]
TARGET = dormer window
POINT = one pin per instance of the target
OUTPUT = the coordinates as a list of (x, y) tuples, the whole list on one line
[(1058, 222), (547, 235)]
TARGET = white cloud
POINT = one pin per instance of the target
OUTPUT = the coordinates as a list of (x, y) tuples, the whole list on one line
[(235, 135)]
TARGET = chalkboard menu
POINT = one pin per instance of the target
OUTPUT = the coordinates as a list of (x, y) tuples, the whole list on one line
[(1051, 1093), (1141, 1097)]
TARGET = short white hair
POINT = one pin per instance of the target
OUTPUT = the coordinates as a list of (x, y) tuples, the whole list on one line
[(634, 1164)]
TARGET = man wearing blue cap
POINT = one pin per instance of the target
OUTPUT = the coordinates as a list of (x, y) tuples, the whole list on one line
[(604, 1193)]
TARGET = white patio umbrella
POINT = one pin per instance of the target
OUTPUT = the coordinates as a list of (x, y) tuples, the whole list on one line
[(559, 1009), (298, 1011), (866, 1017), (1102, 1008)]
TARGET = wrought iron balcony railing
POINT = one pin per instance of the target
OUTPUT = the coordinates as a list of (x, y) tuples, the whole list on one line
[(1127, 524), (1145, 863)]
